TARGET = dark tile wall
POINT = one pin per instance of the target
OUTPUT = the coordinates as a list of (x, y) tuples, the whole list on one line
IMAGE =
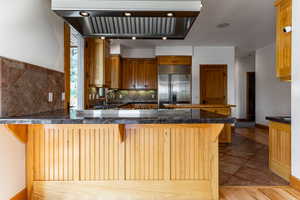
[(24, 88)]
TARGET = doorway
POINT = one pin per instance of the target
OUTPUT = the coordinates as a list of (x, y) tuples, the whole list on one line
[(76, 70), (251, 96), (213, 84)]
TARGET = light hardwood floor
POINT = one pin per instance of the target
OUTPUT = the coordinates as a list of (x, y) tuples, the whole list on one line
[(258, 193)]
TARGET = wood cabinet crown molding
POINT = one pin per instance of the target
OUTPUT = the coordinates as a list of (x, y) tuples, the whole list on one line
[(174, 60)]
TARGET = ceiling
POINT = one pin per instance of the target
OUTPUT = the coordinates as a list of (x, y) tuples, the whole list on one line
[(252, 26)]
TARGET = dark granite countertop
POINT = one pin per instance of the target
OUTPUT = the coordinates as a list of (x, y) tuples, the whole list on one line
[(158, 116), (280, 119)]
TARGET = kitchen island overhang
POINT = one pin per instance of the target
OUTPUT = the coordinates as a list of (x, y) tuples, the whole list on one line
[(152, 158)]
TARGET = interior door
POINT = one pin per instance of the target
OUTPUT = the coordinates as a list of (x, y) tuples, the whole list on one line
[(213, 84), (251, 96)]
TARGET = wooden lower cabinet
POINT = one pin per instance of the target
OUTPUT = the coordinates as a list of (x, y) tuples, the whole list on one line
[(155, 161), (280, 149)]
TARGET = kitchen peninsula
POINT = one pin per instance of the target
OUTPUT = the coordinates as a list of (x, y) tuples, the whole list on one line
[(128, 154)]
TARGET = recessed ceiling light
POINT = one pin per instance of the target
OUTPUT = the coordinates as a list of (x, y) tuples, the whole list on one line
[(223, 25), (133, 38), (164, 38), (84, 13), (102, 38), (127, 14), (170, 14)]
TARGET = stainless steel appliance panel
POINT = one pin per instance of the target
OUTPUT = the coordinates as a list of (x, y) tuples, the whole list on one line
[(164, 90), (181, 88)]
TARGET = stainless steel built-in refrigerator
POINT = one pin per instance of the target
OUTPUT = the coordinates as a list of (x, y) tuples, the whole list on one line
[(174, 84)]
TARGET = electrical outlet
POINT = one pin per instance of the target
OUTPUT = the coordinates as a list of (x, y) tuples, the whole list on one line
[(63, 96), (50, 96), (120, 96)]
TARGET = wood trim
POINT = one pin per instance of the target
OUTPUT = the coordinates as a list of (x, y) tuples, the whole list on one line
[(295, 183), (262, 126), (67, 65), (18, 130), (22, 195)]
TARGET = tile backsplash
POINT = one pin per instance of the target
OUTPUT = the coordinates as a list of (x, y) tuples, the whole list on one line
[(132, 96), (24, 88)]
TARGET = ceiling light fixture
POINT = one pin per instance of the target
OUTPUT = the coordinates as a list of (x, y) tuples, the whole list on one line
[(170, 14), (164, 38), (133, 38), (84, 13), (102, 38), (127, 14)]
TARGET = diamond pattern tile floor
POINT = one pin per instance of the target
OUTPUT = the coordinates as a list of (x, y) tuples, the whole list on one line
[(244, 162)]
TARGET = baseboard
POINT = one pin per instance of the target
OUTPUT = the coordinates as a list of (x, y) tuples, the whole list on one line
[(262, 126), (295, 183), (21, 195)]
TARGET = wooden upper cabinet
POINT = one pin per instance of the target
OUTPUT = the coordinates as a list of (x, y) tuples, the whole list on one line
[(115, 65), (128, 74), (174, 60), (139, 73), (97, 69), (150, 74), (283, 39), (107, 65)]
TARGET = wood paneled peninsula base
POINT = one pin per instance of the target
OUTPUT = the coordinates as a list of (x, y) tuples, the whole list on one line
[(157, 154), (121, 161)]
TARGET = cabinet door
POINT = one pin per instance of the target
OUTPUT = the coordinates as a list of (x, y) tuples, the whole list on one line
[(140, 74), (107, 65), (283, 39), (175, 60), (151, 74), (128, 79), (115, 62)]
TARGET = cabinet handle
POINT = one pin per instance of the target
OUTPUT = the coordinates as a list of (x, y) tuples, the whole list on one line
[(287, 29)]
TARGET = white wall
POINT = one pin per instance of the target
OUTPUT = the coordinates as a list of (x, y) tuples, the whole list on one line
[(214, 55), (31, 33), (174, 51), (138, 53), (243, 65), (12, 167), (296, 90), (273, 97)]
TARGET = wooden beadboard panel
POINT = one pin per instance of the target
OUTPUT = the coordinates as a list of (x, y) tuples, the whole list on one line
[(189, 157), (115, 190), (55, 152), (144, 153), (22, 195), (101, 153), (280, 149), (155, 153)]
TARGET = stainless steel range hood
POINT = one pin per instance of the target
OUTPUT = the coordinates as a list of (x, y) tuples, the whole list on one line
[(123, 19)]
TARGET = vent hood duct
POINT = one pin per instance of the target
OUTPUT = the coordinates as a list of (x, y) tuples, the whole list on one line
[(147, 20)]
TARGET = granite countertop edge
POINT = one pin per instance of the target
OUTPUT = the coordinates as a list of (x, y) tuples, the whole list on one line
[(63, 118), (279, 119)]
